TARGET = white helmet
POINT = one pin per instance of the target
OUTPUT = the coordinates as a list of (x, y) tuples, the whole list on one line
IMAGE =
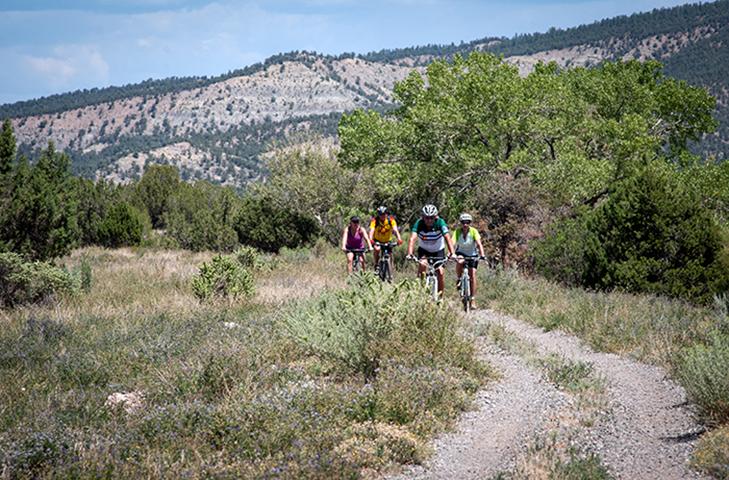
[(465, 217), (430, 211)]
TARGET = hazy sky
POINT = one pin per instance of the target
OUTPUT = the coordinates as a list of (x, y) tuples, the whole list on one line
[(54, 46)]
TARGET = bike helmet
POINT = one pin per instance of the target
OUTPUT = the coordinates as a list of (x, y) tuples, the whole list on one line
[(430, 210), (465, 217), (354, 219), (381, 210)]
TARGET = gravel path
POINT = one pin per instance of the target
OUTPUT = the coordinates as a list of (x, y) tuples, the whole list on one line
[(506, 415), (648, 431)]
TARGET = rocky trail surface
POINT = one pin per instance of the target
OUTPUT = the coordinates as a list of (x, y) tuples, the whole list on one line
[(639, 424)]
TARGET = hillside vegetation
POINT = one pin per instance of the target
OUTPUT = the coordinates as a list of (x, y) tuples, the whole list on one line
[(217, 128)]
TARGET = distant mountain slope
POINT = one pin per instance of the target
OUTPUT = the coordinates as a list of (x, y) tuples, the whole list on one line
[(217, 127)]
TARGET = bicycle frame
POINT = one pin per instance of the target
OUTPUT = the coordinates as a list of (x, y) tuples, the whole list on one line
[(465, 280), (431, 276), (358, 258), (385, 262)]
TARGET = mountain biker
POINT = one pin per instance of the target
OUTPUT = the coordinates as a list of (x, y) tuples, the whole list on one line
[(433, 238), (382, 226), (468, 241), (354, 237)]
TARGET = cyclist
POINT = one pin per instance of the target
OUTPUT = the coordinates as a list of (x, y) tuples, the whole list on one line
[(468, 242), (433, 238), (354, 237), (382, 226)]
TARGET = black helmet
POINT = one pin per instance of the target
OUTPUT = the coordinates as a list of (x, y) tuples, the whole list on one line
[(354, 219), (381, 209)]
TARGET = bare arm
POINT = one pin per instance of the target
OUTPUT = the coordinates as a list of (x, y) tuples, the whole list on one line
[(344, 239), (411, 243), (449, 241), (480, 247), (366, 237)]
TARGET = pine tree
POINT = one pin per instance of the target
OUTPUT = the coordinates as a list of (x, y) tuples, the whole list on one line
[(7, 148)]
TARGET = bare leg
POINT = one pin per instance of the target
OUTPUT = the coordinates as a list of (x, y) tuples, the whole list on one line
[(441, 281), (350, 259)]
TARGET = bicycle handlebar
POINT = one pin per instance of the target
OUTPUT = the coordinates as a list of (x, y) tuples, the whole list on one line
[(434, 262), (386, 244)]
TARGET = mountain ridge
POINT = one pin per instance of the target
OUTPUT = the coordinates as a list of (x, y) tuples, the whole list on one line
[(230, 119)]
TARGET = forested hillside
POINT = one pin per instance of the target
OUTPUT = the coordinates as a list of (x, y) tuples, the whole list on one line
[(216, 128)]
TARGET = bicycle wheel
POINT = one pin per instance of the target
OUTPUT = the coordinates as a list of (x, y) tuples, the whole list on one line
[(382, 271), (466, 292), (389, 269), (433, 287), (355, 263)]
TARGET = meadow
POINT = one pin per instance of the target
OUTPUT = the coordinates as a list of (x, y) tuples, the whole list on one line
[(138, 378)]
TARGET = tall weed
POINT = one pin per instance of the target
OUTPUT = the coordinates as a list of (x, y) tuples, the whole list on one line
[(704, 372)]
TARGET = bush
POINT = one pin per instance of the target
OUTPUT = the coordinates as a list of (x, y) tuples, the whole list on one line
[(248, 257), (357, 328), (222, 277), (200, 217), (651, 236), (712, 453), (23, 282), (267, 227), (704, 372), (123, 226)]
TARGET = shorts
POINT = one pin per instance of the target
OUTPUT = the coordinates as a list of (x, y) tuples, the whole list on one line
[(424, 253)]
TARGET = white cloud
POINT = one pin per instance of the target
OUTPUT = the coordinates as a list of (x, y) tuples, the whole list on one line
[(70, 63)]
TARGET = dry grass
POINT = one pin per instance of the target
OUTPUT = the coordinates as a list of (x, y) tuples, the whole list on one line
[(136, 378), (650, 328)]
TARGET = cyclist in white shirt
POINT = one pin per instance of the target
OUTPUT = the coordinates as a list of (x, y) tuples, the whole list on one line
[(468, 244)]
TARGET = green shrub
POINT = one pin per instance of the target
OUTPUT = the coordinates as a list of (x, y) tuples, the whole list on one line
[(349, 326), (651, 235), (704, 372), (360, 327), (712, 453), (265, 226), (248, 257), (23, 282), (200, 217), (123, 226), (222, 277)]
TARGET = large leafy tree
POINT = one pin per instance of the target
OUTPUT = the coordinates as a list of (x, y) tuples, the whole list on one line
[(154, 189), (575, 132)]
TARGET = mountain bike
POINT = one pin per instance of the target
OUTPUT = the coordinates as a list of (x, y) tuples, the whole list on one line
[(358, 258), (465, 280), (385, 263), (431, 275)]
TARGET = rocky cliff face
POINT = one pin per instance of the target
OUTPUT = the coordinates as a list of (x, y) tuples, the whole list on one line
[(219, 131)]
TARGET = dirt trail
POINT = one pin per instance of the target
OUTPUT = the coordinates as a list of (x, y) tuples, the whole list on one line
[(646, 432)]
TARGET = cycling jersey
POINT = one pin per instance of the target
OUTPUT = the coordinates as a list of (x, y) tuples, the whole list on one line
[(466, 244), (383, 230), (431, 239), (356, 241)]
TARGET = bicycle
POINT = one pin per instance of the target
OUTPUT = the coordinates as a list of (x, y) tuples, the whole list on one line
[(431, 275), (358, 258), (465, 280), (384, 264)]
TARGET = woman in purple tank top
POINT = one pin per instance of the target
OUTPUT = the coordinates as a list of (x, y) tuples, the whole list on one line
[(354, 237)]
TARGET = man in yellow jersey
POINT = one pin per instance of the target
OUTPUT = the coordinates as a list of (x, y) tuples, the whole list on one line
[(382, 227)]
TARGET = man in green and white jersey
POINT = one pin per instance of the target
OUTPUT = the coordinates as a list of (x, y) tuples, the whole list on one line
[(433, 237)]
